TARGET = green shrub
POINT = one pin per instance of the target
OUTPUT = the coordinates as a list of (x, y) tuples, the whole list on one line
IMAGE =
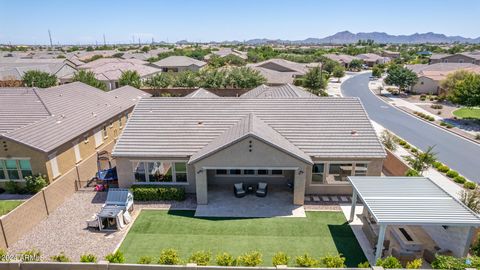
[(252, 258), (448, 262), (459, 179), (412, 173), (436, 164), (443, 124), (333, 261), (476, 248), (449, 125), (436, 106), (35, 183), (225, 259), (156, 193), (145, 260), (169, 257), (280, 258), (415, 264), (414, 150), (116, 257), (32, 255), (60, 257), (469, 185), (452, 174), (477, 136), (201, 258), (443, 169), (431, 118), (389, 262), (88, 258), (407, 146), (402, 142), (475, 262), (306, 260), (364, 265), (12, 187)]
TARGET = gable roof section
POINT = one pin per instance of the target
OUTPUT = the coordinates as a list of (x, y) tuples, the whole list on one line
[(73, 109), (411, 200), (201, 93), (179, 61), (180, 127), (282, 91), (250, 125)]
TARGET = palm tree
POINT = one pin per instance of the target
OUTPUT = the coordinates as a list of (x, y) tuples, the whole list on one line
[(420, 161), (130, 77)]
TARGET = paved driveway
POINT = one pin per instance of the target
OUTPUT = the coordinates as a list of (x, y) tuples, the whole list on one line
[(458, 153)]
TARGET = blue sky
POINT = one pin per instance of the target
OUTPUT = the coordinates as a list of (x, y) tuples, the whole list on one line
[(85, 21)]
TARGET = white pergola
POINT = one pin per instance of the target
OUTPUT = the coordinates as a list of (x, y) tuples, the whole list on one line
[(409, 201)]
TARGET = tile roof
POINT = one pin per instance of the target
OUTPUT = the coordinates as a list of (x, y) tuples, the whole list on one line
[(341, 58), (201, 93), (439, 71), (113, 68), (282, 91), (179, 61), (68, 111), (250, 126), (180, 127)]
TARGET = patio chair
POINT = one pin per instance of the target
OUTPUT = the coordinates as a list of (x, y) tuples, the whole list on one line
[(262, 189), (239, 190)]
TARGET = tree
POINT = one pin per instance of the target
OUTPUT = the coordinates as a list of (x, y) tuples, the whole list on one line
[(388, 140), (186, 79), (88, 77), (377, 71), (420, 161), (467, 91), (145, 49), (329, 65), (36, 78), (89, 49), (244, 78), (130, 77), (338, 72), (314, 80), (401, 77), (160, 80), (448, 84), (355, 64)]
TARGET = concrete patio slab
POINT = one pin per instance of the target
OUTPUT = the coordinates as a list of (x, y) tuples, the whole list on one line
[(222, 203)]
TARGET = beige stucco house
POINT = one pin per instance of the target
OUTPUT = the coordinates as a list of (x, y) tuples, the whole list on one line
[(464, 57), (308, 145), (179, 64), (55, 130)]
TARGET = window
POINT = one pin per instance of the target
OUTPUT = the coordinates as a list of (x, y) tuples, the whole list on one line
[(277, 172), (180, 172), (361, 169), (221, 172), (76, 149), (235, 172), (249, 172), (25, 168), (262, 172), (98, 138), (54, 166), (160, 171), (105, 133), (339, 172), (2, 170), (12, 169), (318, 171)]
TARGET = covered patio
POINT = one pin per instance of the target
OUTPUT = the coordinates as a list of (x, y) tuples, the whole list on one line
[(409, 218)]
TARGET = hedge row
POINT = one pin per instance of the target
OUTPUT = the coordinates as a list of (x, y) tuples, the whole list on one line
[(158, 193)]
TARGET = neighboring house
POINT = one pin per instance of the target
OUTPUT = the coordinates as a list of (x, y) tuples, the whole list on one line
[(343, 59), (144, 55), (201, 93), (51, 131), (109, 70), (281, 91), (430, 76), (465, 57), (391, 54), (280, 71), (179, 64), (15, 68), (371, 59), (305, 145), (85, 56), (223, 52)]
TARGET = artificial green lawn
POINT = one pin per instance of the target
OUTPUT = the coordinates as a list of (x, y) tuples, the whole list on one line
[(319, 234), (8, 205), (468, 113)]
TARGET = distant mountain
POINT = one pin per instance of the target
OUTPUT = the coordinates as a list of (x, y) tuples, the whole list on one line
[(347, 37)]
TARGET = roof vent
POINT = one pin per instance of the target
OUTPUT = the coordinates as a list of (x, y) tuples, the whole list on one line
[(354, 132), (200, 123)]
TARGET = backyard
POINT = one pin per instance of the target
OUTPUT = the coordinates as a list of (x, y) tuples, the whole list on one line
[(8, 205), (319, 234)]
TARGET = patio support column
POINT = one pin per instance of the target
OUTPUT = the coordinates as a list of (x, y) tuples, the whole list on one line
[(381, 238), (299, 186), (354, 204), (201, 185)]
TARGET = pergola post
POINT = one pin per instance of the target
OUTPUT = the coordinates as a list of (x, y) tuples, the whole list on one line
[(381, 238), (354, 204)]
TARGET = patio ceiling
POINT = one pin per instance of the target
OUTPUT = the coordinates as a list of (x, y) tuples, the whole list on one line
[(411, 201)]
